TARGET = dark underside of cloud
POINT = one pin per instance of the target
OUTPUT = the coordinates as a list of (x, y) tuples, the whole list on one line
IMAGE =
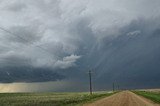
[(25, 74)]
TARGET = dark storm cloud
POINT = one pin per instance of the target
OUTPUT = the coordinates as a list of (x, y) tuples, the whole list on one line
[(118, 39), (28, 74), (132, 58)]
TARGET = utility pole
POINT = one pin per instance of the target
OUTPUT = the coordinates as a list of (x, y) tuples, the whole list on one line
[(90, 81), (118, 87), (113, 87)]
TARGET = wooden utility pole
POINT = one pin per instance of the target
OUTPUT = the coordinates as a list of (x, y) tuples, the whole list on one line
[(118, 87), (113, 87), (90, 81)]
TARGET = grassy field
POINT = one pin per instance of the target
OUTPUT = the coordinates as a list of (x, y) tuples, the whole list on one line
[(154, 96), (49, 99)]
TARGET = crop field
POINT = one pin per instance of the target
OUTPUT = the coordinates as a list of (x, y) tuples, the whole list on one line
[(152, 95), (49, 99)]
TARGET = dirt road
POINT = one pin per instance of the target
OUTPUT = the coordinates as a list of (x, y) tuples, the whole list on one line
[(125, 98)]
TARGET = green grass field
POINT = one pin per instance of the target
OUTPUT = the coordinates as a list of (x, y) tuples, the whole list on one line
[(49, 99), (154, 96)]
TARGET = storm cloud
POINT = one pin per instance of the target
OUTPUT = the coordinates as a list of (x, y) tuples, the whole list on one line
[(49, 40)]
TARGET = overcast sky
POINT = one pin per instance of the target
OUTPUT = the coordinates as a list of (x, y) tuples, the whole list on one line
[(50, 40)]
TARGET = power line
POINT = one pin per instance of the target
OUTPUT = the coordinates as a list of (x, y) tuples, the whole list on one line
[(7, 60), (14, 34), (9, 32)]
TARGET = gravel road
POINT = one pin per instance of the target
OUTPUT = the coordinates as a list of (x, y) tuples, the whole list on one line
[(125, 98)]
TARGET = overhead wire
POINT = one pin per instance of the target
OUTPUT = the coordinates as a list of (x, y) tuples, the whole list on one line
[(9, 32)]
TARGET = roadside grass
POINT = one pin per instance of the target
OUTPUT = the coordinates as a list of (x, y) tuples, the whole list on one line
[(154, 96), (49, 99)]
